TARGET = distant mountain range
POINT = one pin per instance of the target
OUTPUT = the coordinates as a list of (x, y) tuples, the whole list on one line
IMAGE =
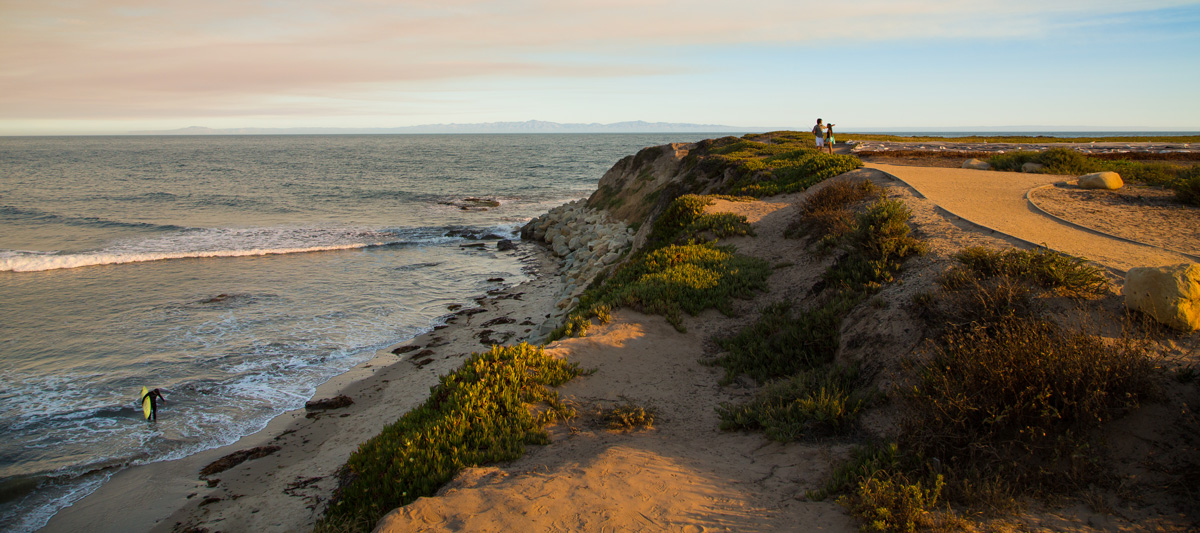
[(529, 126)]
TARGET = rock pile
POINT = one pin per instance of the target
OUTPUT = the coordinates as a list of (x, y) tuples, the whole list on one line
[(587, 240)]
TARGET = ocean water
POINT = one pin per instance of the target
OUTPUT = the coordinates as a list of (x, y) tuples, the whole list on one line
[(236, 273)]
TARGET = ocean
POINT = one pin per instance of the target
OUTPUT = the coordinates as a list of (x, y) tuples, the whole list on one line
[(236, 273)]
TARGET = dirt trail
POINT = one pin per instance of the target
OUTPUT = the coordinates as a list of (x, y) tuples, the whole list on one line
[(685, 475)]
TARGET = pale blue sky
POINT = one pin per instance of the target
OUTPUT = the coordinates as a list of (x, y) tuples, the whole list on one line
[(80, 66)]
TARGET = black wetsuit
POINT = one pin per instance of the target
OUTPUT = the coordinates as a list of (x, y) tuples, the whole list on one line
[(154, 396)]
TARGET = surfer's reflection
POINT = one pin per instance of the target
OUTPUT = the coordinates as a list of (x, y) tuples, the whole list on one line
[(153, 396)]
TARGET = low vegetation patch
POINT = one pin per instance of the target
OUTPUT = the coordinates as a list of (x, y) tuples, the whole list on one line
[(1018, 401), (680, 269), (821, 401), (890, 502), (876, 245), (679, 278), (628, 416), (1007, 402), (828, 212), (1047, 269), (476, 415), (784, 342), (685, 219), (1184, 180)]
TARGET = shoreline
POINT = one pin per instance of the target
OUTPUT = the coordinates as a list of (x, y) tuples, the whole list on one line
[(287, 489)]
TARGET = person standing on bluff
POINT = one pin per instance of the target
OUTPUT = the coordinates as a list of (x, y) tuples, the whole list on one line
[(818, 134), (829, 136)]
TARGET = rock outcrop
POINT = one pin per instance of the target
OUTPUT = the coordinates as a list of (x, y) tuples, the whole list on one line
[(1170, 294), (587, 241), (977, 164), (1101, 180)]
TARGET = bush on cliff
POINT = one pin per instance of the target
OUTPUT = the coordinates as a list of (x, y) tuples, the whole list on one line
[(827, 212), (684, 219), (476, 415)]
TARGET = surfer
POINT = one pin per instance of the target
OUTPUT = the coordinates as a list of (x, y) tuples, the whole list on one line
[(152, 397)]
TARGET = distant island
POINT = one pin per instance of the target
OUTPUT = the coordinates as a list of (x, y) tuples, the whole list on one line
[(529, 126)]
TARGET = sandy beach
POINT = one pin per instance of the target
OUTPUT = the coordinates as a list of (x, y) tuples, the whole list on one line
[(684, 474)]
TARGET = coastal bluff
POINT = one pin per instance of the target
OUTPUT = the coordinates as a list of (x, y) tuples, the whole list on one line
[(591, 236)]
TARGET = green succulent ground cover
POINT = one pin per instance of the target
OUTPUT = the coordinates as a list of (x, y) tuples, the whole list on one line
[(1184, 180), (476, 415)]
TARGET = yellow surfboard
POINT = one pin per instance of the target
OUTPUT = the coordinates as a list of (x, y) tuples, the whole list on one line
[(146, 403)]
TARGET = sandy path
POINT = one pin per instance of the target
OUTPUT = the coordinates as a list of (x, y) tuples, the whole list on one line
[(997, 201), (684, 475)]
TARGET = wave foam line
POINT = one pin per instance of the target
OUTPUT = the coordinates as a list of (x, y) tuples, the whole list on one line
[(39, 263)]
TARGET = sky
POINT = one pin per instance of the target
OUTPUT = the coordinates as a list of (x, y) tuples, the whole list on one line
[(113, 66)]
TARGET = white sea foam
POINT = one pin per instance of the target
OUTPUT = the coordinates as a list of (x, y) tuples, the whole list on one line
[(222, 242), (18, 262)]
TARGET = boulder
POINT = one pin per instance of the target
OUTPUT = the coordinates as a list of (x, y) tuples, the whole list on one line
[(977, 164), (1169, 294), (1101, 180), (1032, 167)]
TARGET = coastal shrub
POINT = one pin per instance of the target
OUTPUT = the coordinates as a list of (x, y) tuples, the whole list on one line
[(1158, 174), (1012, 161), (876, 245), (890, 503), (1067, 161), (816, 402), (475, 415), (1045, 268), (865, 461), (684, 219), (1182, 179), (628, 416), (783, 342), (690, 278), (674, 279), (1187, 189), (1016, 401), (827, 211)]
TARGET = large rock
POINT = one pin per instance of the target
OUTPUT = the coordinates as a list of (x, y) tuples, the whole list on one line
[(1030, 166), (1101, 180), (1169, 294), (977, 164)]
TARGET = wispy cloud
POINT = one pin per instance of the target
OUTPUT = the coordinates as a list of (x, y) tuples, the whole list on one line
[(98, 58)]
